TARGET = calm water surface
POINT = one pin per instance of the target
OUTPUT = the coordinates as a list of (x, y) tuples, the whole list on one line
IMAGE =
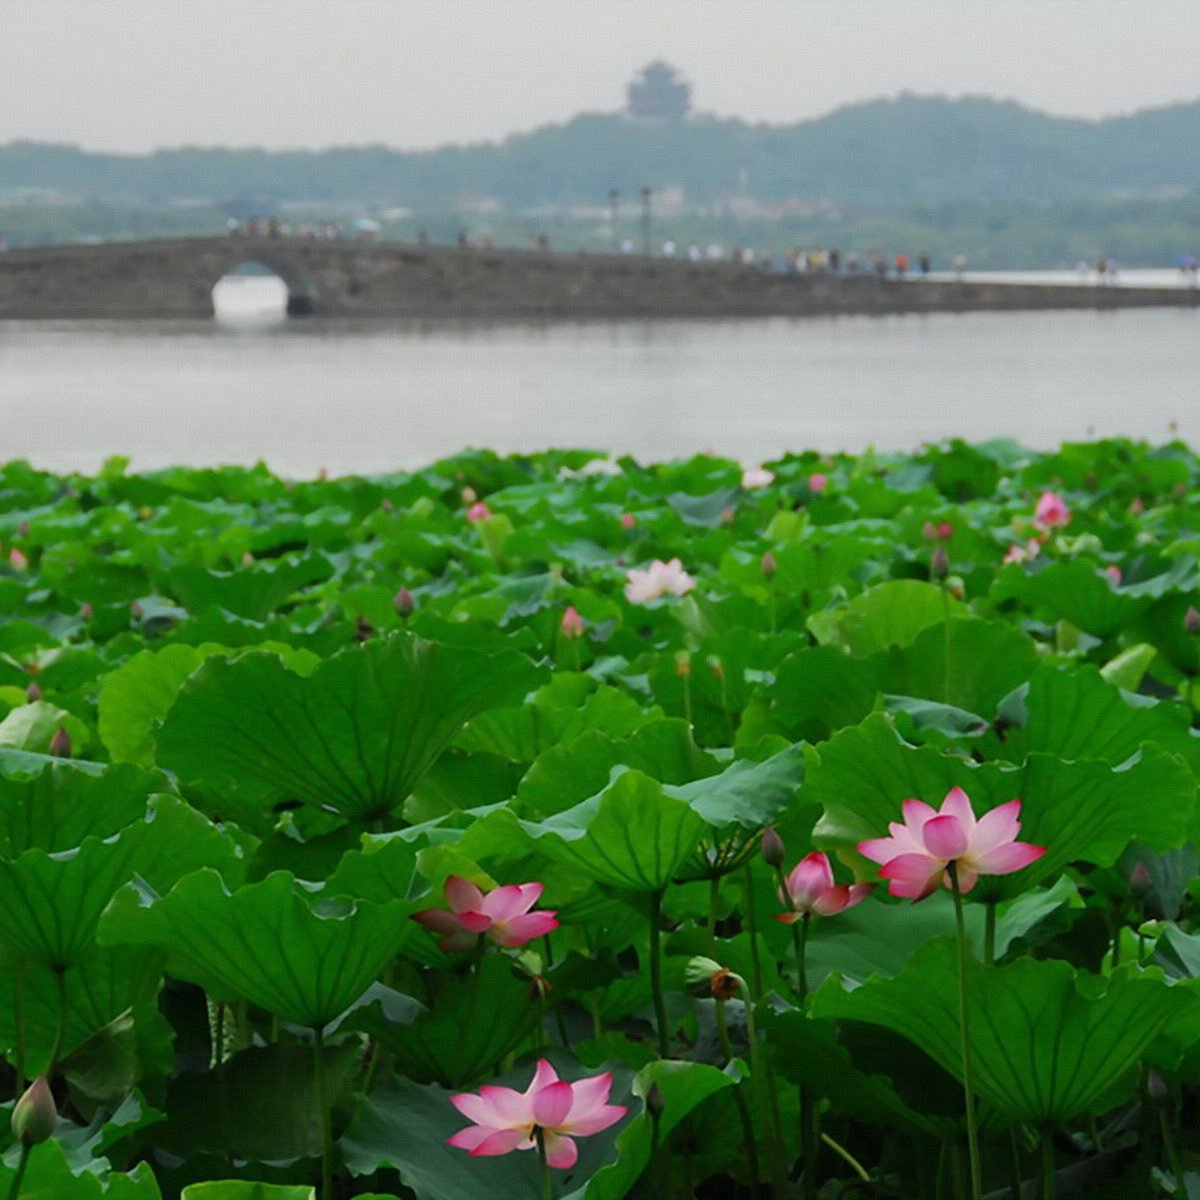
[(374, 397)]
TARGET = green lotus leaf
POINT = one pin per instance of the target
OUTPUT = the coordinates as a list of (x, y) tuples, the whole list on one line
[(470, 1025), (267, 942), (244, 1189), (889, 614), (1048, 1044), (405, 1125), (822, 688), (50, 1176), (252, 592), (632, 836), (32, 727), (749, 794), (353, 737), (1083, 810)]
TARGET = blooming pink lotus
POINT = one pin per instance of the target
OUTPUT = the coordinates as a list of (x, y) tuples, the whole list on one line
[(507, 1120), (503, 914), (478, 512), (1051, 510), (659, 579), (916, 856), (757, 477), (1114, 574), (1020, 554), (817, 482), (809, 890)]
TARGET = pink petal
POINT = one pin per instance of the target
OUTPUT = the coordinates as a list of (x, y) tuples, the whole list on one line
[(594, 1121), (524, 929), (831, 901), (1006, 859), (551, 1104), (511, 900), (914, 889), (475, 1108), (882, 850), (967, 879), (506, 1106), (560, 1151), (475, 922), (808, 879), (469, 1138), (996, 827), (590, 1094), (945, 837), (958, 804), (916, 813), (788, 918), (503, 1141), (911, 868), (859, 892), (461, 894), (438, 920), (543, 1076)]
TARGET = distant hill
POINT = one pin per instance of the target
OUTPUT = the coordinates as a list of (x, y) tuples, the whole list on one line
[(883, 154)]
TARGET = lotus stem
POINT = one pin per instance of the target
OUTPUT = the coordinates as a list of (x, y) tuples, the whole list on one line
[(1049, 1182), (656, 988), (965, 1035), (739, 1097), (1172, 1150), (989, 933), (60, 1032), (324, 1112), (945, 644), (752, 926), (800, 945), (540, 1137), (847, 1157), (714, 891), (15, 1188)]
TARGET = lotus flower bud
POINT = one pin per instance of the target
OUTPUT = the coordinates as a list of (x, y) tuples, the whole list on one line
[(1137, 506), (363, 629), (945, 530), (929, 531), (572, 624), (403, 603), (1114, 574), (1157, 1091), (655, 1104), (468, 495), (769, 565), (136, 611), (727, 515), (60, 743), (1191, 619), (939, 564), (1140, 882), (628, 520), (23, 529), (387, 505), (683, 665), (34, 1115), (86, 611), (817, 482), (17, 559), (478, 512), (773, 849), (33, 693)]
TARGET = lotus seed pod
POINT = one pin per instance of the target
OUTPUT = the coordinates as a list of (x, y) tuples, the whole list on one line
[(34, 1115)]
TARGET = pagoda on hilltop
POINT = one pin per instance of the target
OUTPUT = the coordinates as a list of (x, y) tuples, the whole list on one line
[(658, 93)]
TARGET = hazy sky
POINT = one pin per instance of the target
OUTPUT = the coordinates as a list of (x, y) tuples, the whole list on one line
[(136, 74)]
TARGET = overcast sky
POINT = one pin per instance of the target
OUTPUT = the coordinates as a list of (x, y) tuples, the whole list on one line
[(137, 74)]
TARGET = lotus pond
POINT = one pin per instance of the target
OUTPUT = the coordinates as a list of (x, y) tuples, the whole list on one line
[(567, 826)]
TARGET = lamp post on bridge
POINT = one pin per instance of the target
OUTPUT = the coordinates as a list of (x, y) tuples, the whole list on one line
[(614, 198), (646, 221)]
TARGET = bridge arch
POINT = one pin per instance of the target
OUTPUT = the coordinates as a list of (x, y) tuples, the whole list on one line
[(302, 295)]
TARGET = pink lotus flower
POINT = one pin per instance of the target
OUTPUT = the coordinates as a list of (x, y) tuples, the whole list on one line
[(659, 579), (478, 512), (917, 853), (628, 520), (809, 890), (17, 559), (817, 482), (507, 1120), (572, 624), (1114, 574), (503, 914), (1051, 510), (1020, 554), (757, 477)]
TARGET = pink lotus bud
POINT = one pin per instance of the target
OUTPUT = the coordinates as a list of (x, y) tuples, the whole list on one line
[(939, 565), (478, 512), (727, 515), (817, 482), (773, 849), (1137, 506), (468, 495), (628, 520), (23, 529), (1191, 619), (403, 603), (35, 1116), (768, 564), (1114, 574), (136, 611), (60, 743), (86, 611), (572, 624), (1157, 1091), (945, 530), (1140, 882), (929, 531), (17, 559), (1051, 511), (33, 693)]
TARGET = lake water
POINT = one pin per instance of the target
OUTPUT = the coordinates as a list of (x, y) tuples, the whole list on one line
[(374, 397)]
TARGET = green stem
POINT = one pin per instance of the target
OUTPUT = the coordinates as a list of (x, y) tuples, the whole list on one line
[(659, 1171), (15, 1188), (19, 1017), (989, 933), (808, 1144), (540, 1137), (687, 698), (739, 1096), (847, 1157), (60, 1033), (800, 946), (965, 1035), (1049, 1188), (945, 644), (324, 1113), (656, 988), (1176, 1163), (752, 926), (714, 893), (1016, 1184)]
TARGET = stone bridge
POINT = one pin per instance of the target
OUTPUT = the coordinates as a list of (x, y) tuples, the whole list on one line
[(347, 278)]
